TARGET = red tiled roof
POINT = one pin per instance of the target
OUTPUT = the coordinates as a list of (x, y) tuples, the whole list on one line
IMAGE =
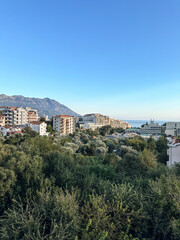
[(36, 122), (2, 116), (14, 132)]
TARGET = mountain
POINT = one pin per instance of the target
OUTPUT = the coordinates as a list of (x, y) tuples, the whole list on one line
[(46, 106)]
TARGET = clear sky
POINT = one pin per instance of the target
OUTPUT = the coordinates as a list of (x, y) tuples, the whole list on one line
[(116, 57)]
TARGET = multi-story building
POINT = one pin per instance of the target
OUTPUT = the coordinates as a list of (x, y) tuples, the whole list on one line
[(173, 129), (64, 124), (152, 128), (32, 115), (2, 121), (8, 113), (20, 116), (39, 127), (15, 116)]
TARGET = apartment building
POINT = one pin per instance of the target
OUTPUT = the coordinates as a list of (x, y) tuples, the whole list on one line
[(20, 116), (2, 121), (64, 124), (39, 127), (8, 113), (173, 129), (32, 115)]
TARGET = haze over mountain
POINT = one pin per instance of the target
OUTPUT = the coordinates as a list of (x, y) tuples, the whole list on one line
[(46, 106)]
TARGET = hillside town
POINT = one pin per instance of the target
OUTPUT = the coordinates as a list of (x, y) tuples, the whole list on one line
[(14, 119)]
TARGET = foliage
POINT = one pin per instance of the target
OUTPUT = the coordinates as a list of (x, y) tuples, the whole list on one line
[(86, 187)]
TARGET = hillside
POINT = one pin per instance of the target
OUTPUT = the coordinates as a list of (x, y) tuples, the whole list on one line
[(46, 106)]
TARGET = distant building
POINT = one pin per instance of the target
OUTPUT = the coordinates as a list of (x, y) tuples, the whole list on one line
[(152, 128), (132, 130), (95, 120), (174, 154), (64, 124), (2, 121), (39, 127), (173, 129), (119, 124)]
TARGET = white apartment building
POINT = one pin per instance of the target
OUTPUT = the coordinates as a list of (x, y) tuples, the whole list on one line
[(15, 116), (20, 116), (174, 154), (173, 129), (39, 127), (152, 128), (64, 124)]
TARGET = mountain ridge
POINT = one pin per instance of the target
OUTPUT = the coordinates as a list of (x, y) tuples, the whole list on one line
[(45, 106)]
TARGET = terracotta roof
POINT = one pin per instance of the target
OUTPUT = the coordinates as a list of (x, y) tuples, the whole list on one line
[(36, 122), (2, 116)]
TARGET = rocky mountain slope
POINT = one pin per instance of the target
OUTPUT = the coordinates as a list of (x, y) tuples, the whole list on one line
[(46, 106)]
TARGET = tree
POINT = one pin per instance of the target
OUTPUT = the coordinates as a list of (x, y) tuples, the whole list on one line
[(42, 119), (151, 144), (137, 143), (148, 158)]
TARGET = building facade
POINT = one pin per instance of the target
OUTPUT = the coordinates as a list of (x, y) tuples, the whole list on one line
[(15, 116), (119, 124), (64, 124), (39, 127), (95, 120), (174, 154), (2, 121), (20, 116), (173, 129), (32, 115)]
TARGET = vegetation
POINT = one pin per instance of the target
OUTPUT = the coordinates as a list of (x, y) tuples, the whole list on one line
[(87, 187)]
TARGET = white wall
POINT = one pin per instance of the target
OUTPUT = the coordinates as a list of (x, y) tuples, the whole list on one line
[(174, 154)]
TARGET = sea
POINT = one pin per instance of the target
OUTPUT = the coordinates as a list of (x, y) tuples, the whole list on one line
[(139, 123)]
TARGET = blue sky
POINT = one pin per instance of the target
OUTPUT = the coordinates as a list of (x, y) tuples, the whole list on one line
[(116, 57)]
